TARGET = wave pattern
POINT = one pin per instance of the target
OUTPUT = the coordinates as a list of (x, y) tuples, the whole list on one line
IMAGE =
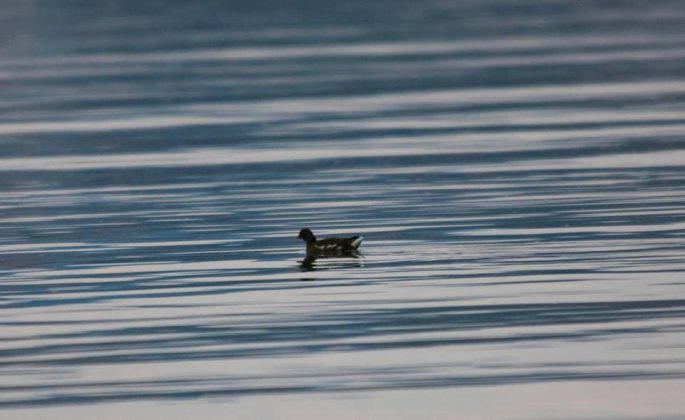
[(517, 171)]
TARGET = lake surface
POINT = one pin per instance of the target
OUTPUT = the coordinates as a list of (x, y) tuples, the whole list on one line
[(517, 169)]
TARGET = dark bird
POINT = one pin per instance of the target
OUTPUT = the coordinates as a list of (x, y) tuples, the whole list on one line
[(329, 246)]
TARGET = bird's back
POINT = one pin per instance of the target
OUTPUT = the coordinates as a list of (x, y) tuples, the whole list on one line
[(335, 244)]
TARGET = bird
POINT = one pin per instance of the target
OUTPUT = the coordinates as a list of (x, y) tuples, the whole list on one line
[(329, 246)]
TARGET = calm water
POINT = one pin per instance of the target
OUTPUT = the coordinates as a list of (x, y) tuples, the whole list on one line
[(517, 169)]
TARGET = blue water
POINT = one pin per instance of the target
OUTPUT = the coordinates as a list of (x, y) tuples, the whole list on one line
[(517, 169)]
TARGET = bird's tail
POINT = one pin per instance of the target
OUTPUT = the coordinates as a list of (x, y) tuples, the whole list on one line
[(356, 241)]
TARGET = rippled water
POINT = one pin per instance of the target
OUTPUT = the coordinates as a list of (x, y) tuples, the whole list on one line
[(517, 169)]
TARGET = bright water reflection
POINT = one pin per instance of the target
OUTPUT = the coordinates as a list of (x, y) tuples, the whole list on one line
[(517, 172)]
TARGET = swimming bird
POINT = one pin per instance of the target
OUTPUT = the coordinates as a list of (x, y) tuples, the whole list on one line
[(329, 246)]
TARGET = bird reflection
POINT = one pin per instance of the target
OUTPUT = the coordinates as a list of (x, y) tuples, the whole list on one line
[(319, 262)]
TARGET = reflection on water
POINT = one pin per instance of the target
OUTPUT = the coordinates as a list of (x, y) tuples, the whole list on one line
[(516, 169), (350, 260)]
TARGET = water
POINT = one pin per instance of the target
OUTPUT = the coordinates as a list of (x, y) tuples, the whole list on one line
[(516, 168)]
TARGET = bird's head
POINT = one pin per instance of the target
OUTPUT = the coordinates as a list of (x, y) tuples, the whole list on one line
[(306, 235)]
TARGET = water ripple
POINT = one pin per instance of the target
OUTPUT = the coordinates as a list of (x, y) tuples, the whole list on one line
[(516, 170)]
